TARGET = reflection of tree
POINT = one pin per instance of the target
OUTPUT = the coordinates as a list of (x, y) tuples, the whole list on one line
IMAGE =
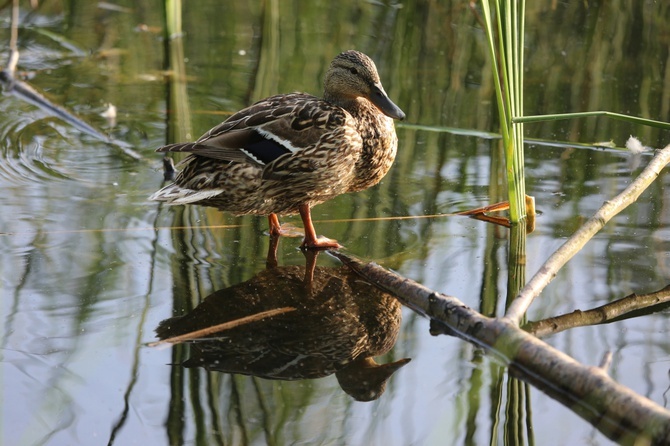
[(339, 323)]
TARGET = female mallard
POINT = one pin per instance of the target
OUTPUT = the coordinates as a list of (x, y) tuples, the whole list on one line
[(289, 152)]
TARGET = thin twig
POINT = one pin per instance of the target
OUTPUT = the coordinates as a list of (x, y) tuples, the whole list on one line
[(153, 228), (620, 309), (221, 327), (606, 362), (574, 244)]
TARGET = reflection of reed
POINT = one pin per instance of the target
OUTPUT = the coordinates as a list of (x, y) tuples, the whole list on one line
[(339, 324)]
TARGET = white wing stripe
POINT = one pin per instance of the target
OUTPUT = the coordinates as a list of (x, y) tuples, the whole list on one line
[(283, 142), (251, 155)]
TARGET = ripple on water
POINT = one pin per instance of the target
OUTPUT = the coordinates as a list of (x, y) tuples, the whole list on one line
[(36, 150), (22, 158)]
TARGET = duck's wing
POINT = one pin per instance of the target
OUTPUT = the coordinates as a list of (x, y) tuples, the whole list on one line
[(267, 130)]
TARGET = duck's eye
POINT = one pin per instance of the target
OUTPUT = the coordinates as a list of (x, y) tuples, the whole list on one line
[(353, 71)]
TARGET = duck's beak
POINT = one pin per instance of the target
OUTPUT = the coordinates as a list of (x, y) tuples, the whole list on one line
[(384, 104)]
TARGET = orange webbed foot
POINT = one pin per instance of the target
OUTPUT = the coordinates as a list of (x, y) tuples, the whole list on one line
[(320, 243)]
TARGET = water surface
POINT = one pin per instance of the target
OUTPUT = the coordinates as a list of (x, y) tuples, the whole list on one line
[(90, 267)]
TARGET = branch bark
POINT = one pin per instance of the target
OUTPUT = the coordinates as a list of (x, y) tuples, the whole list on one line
[(613, 311), (618, 412), (576, 242)]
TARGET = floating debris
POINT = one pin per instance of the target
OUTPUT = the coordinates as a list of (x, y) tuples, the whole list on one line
[(110, 115)]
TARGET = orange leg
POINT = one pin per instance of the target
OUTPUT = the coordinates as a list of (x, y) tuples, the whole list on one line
[(275, 227), (311, 241), (279, 230)]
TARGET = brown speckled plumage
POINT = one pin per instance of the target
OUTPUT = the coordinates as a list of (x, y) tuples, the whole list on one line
[(287, 153)]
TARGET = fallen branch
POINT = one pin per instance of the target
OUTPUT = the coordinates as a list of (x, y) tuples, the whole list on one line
[(628, 306), (618, 412), (576, 242)]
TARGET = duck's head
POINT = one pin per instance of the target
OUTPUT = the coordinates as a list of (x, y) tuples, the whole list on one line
[(353, 75)]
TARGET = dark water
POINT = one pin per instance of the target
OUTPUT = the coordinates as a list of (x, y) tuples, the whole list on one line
[(90, 267)]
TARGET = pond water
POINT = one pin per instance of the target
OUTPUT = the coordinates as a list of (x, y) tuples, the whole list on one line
[(89, 267)]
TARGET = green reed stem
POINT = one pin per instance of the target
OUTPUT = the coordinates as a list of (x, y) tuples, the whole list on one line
[(508, 82), (173, 17)]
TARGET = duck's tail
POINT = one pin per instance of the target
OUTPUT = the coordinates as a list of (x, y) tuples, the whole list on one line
[(174, 194)]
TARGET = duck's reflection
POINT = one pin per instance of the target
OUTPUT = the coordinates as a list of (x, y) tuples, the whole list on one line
[(333, 322)]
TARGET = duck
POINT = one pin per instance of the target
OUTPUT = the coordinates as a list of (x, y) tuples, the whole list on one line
[(287, 153)]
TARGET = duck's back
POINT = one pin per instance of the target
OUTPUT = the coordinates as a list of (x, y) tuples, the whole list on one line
[(270, 157)]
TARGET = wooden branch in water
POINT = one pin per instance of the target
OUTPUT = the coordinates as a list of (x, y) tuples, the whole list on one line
[(618, 412), (576, 242), (610, 312)]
